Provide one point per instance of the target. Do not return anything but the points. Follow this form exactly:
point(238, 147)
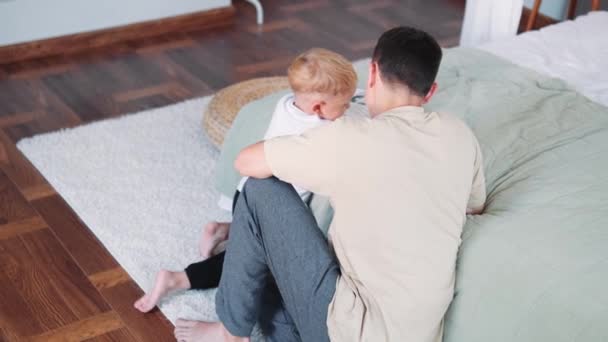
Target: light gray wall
point(27, 20)
point(557, 8)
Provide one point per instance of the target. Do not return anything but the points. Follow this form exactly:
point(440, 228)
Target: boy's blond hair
point(322, 71)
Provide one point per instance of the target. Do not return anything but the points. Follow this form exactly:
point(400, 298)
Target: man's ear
point(373, 72)
point(431, 92)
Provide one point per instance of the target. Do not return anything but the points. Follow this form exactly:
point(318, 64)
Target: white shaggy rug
point(143, 184)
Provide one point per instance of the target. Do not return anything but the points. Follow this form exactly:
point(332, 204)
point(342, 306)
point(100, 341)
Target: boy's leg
point(212, 237)
point(206, 274)
point(274, 235)
point(215, 234)
point(166, 281)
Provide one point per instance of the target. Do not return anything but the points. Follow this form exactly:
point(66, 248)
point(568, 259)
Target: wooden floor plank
point(38, 191)
point(83, 329)
point(84, 247)
point(272, 66)
point(19, 118)
point(57, 115)
point(180, 75)
point(120, 335)
point(17, 318)
point(109, 278)
point(55, 292)
point(3, 155)
point(17, 167)
point(306, 6)
point(213, 71)
point(37, 68)
point(152, 326)
point(13, 206)
point(173, 43)
point(169, 88)
point(15, 228)
point(62, 272)
point(43, 301)
point(8, 336)
point(16, 97)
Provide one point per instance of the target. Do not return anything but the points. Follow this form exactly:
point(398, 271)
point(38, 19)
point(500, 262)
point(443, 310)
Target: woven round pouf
point(226, 104)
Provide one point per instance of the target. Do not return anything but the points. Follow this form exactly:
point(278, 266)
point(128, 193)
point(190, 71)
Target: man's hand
point(475, 211)
point(251, 162)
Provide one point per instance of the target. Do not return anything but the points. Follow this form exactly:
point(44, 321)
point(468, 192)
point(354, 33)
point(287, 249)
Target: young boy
point(323, 84)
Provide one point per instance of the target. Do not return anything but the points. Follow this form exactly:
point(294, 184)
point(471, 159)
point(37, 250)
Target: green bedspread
point(534, 266)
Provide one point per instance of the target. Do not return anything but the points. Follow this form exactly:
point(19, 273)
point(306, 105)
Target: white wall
point(27, 20)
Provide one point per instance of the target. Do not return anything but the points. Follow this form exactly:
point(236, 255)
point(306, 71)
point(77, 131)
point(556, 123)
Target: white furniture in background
point(488, 20)
point(259, 10)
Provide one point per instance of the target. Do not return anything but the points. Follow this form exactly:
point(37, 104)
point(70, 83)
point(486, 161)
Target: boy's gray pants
point(278, 269)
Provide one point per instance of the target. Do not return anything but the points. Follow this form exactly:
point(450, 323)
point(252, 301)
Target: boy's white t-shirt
point(288, 119)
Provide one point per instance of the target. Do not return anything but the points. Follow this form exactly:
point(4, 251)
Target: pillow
point(248, 127)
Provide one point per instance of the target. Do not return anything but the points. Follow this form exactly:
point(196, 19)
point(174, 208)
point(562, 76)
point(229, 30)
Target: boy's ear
point(316, 107)
point(431, 92)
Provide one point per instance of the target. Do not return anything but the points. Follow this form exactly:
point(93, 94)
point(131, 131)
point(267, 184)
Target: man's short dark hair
point(409, 57)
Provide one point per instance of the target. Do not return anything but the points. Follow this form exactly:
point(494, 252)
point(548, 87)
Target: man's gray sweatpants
point(278, 269)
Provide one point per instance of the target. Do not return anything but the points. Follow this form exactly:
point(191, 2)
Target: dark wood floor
point(57, 282)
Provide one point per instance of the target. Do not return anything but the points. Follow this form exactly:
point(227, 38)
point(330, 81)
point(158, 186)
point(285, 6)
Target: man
point(400, 183)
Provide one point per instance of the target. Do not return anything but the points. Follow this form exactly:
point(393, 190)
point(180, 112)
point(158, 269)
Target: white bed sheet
point(575, 51)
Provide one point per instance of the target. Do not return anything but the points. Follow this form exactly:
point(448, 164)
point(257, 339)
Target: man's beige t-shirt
point(400, 185)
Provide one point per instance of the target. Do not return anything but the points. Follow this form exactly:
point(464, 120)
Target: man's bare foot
point(193, 331)
point(213, 234)
point(165, 281)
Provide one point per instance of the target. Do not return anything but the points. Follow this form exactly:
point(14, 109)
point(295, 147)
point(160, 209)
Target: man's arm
point(309, 160)
point(477, 198)
point(251, 162)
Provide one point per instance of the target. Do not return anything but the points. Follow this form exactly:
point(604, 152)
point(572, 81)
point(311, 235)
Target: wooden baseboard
point(80, 42)
point(541, 20)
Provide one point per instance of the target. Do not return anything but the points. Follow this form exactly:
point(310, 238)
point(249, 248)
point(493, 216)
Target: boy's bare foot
point(165, 281)
point(192, 331)
point(214, 233)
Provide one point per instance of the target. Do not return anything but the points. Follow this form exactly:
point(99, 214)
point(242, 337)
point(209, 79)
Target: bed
point(533, 267)
point(575, 51)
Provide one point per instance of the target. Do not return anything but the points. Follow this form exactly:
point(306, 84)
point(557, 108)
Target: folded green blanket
point(534, 266)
